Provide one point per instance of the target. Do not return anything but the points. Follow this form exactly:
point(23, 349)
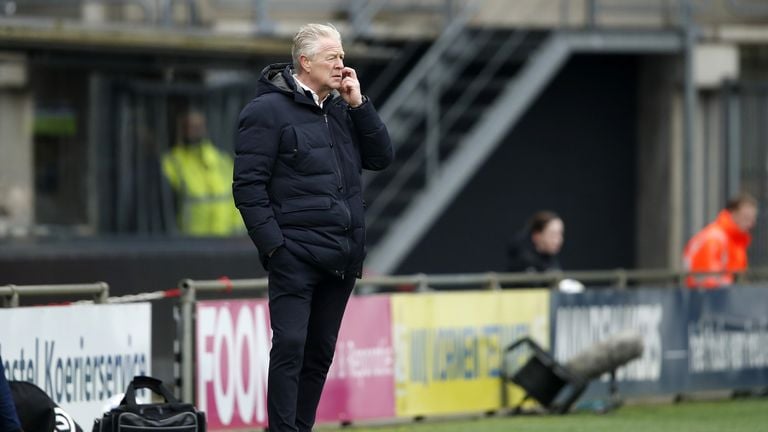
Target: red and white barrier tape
point(154, 295)
point(132, 298)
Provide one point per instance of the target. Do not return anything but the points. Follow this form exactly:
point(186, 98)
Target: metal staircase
point(455, 108)
point(445, 94)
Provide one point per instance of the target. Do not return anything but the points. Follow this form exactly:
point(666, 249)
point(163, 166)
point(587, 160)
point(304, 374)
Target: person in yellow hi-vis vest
point(201, 177)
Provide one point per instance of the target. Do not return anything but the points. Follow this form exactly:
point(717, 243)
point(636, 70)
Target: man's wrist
point(363, 100)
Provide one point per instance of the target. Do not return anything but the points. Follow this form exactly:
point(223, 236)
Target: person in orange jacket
point(722, 245)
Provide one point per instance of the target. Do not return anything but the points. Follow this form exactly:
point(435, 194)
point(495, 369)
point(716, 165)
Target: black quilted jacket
point(297, 177)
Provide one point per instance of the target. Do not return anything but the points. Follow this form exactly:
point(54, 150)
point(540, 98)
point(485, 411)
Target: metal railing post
point(187, 302)
point(493, 282)
point(557, 277)
point(741, 277)
point(621, 279)
point(423, 283)
point(14, 301)
point(103, 296)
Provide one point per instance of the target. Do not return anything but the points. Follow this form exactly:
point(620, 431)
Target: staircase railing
point(405, 109)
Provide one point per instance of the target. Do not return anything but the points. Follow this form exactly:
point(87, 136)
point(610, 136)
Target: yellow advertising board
point(449, 347)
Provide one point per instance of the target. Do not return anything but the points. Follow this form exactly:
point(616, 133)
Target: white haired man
point(302, 144)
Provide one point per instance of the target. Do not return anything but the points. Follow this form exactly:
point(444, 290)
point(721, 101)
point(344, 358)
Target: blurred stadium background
point(635, 120)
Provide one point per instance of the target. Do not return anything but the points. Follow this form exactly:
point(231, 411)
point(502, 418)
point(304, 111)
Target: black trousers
point(306, 305)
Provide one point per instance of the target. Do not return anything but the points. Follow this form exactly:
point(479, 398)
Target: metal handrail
point(619, 278)
point(12, 293)
point(223, 284)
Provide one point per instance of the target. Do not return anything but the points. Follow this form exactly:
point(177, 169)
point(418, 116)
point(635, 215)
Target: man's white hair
point(306, 41)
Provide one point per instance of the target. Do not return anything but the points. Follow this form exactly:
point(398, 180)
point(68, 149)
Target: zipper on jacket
point(340, 186)
point(336, 157)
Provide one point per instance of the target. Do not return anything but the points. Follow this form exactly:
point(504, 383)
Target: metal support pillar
point(689, 117)
point(187, 355)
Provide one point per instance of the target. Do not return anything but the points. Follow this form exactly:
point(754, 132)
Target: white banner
point(80, 355)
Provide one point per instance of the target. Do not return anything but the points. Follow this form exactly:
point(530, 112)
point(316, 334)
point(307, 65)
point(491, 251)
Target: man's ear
point(304, 63)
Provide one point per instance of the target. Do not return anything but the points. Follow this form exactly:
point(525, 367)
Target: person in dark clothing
point(537, 247)
point(9, 419)
point(301, 147)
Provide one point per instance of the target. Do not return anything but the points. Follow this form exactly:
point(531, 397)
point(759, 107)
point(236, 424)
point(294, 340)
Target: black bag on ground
point(38, 412)
point(171, 415)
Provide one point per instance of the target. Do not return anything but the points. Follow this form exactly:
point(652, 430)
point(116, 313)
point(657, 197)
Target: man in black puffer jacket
point(302, 145)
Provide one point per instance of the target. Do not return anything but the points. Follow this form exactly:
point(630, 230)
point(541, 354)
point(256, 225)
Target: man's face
point(325, 67)
point(745, 217)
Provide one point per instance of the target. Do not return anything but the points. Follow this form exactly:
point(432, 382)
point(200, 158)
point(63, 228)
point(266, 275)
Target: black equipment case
point(171, 415)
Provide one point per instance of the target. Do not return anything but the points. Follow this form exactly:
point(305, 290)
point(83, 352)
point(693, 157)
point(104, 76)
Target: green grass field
point(747, 415)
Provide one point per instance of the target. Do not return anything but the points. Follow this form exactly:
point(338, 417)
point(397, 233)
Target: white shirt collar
point(315, 97)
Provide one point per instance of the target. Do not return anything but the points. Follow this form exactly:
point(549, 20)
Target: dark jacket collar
point(278, 77)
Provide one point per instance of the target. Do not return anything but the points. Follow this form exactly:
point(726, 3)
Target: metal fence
point(192, 289)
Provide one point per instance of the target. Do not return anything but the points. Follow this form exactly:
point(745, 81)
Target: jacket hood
point(276, 78)
point(737, 235)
